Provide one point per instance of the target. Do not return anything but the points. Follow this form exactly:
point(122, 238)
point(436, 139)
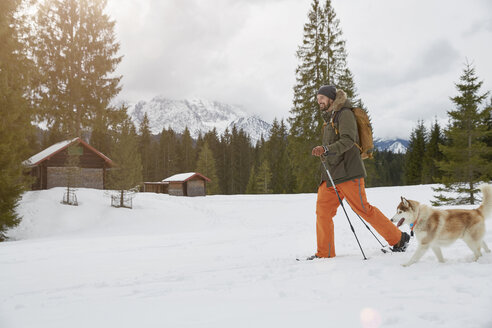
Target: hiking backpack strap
point(335, 119)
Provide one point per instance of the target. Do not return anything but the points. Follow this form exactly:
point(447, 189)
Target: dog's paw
point(406, 265)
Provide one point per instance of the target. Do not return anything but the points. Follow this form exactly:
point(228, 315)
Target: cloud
point(484, 25)
point(437, 59)
point(171, 45)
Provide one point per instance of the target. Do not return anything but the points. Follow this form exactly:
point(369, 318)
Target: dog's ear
point(404, 201)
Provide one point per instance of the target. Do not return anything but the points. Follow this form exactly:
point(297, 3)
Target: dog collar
point(412, 225)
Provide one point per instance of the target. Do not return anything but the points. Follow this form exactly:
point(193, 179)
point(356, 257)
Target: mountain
point(198, 115)
point(254, 126)
point(395, 145)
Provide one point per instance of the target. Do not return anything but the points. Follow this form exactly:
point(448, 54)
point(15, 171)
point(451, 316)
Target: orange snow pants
point(354, 193)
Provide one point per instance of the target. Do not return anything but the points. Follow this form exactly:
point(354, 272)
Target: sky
point(406, 56)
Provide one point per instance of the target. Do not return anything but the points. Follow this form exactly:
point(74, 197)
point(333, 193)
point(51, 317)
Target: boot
point(401, 246)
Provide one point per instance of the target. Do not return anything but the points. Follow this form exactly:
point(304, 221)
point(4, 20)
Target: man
point(342, 157)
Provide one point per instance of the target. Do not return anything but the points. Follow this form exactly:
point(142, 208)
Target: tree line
point(233, 163)
point(57, 71)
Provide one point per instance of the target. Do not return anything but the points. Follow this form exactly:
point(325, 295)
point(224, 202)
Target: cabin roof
point(183, 177)
point(58, 147)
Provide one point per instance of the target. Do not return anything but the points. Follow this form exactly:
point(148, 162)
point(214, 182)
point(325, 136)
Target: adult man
point(342, 157)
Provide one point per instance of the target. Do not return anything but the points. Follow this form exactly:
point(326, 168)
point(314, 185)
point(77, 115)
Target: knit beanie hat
point(329, 91)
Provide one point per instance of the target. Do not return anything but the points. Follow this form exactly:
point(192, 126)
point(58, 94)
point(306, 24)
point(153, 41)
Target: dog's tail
point(486, 207)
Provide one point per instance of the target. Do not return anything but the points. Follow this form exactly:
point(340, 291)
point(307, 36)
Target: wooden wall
point(160, 188)
point(176, 189)
point(195, 187)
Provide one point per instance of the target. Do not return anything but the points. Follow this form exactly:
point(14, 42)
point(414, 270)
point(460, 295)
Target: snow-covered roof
point(182, 177)
point(35, 159)
point(53, 149)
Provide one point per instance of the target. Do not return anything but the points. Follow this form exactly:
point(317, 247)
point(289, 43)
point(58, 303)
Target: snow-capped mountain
point(395, 145)
point(254, 126)
point(198, 115)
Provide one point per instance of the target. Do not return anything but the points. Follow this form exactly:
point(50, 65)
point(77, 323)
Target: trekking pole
point(341, 203)
point(367, 227)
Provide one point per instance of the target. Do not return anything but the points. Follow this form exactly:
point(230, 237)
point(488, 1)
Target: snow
point(397, 148)
point(394, 145)
point(225, 261)
point(179, 177)
point(48, 151)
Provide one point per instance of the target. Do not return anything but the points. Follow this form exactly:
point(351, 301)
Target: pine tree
point(15, 118)
point(168, 145)
point(213, 141)
point(263, 179)
point(206, 166)
point(145, 145)
point(127, 173)
point(465, 162)
point(224, 163)
point(277, 156)
point(372, 178)
point(488, 137)
point(430, 170)
point(346, 83)
point(323, 61)
point(260, 179)
point(241, 158)
point(415, 155)
point(186, 152)
point(235, 160)
point(259, 154)
point(76, 53)
point(251, 187)
point(155, 162)
point(103, 134)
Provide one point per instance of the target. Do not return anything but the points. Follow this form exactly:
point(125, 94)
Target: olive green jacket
point(343, 158)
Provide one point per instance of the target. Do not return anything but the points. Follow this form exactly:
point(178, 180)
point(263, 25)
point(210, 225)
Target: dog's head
point(404, 212)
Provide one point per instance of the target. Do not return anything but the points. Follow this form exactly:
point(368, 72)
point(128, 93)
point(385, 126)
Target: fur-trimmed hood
point(341, 101)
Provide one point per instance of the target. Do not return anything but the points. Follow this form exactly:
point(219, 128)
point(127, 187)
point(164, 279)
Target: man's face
point(324, 102)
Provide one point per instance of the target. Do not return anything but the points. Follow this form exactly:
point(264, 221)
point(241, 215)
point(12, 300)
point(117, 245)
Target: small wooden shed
point(49, 166)
point(187, 184)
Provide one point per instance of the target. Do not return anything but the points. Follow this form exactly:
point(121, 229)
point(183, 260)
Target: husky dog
point(435, 228)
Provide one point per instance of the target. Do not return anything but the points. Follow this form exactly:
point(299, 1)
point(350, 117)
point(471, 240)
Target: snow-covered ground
point(225, 261)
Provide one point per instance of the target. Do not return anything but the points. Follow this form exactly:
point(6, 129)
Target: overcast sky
point(405, 55)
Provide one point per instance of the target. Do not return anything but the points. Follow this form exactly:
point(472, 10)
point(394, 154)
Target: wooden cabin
point(187, 184)
point(49, 167)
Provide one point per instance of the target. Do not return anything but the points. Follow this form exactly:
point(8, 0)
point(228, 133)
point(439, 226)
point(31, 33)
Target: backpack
point(364, 128)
